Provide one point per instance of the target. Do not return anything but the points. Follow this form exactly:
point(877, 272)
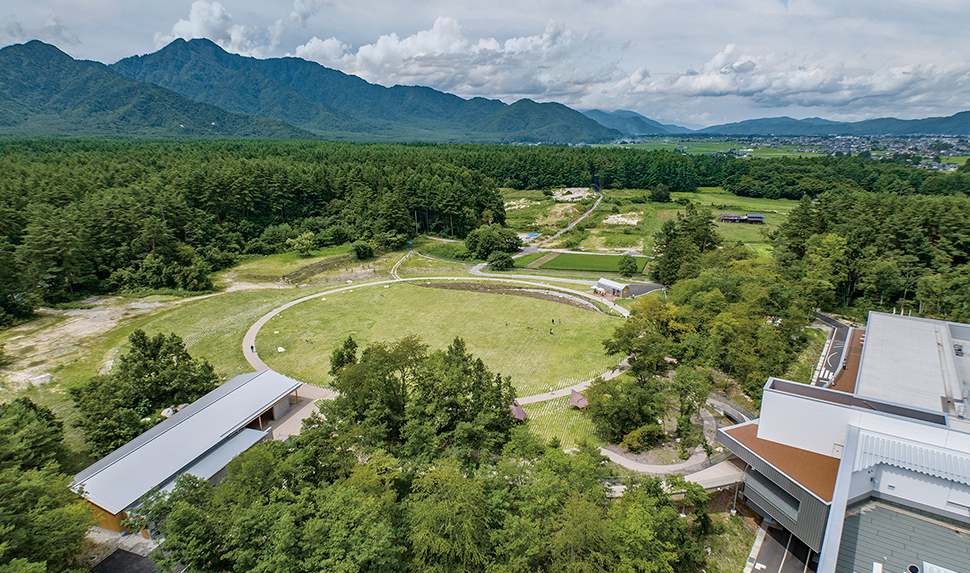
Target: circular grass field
point(509, 333)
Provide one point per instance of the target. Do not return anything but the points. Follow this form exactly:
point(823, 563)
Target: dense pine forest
point(79, 217)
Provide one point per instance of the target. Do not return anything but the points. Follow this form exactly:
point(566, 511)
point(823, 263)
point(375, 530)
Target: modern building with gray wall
point(200, 439)
point(873, 472)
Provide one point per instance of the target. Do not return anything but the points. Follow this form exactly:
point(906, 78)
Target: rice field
point(584, 262)
point(556, 419)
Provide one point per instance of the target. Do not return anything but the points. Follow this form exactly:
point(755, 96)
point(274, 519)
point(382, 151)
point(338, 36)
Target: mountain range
point(196, 89)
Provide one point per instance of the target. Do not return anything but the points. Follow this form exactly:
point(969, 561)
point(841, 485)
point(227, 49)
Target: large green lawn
point(213, 328)
point(274, 266)
point(509, 333)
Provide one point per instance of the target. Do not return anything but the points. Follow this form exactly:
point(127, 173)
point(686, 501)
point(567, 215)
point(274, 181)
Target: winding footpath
point(718, 476)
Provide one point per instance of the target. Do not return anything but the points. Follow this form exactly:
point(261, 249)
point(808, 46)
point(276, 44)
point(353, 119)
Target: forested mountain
point(957, 124)
point(341, 106)
point(632, 123)
point(43, 91)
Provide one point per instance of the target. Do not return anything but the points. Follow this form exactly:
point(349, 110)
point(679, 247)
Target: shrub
point(646, 436)
point(500, 261)
point(362, 250)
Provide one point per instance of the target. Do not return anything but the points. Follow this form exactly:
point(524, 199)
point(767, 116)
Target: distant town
point(936, 153)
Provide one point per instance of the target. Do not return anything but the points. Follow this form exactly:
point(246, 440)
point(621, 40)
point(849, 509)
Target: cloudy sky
point(691, 62)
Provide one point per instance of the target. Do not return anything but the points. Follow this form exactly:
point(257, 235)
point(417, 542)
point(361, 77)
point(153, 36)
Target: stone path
point(292, 422)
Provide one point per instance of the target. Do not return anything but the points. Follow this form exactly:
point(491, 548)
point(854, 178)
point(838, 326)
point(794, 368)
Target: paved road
point(830, 363)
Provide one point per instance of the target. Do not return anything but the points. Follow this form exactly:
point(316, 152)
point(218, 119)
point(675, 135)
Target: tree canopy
point(156, 372)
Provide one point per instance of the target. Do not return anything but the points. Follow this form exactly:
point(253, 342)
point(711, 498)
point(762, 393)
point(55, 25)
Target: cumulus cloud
point(815, 80)
point(545, 66)
point(305, 9)
point(52, 31)
point(211, 20)
point(585, 69)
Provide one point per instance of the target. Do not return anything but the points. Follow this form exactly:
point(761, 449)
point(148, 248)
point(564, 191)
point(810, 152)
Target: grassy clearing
point(556, 419)
point(276, 266)
point(729, 550)
point(955, 159)
point(525, 209)
point(714, 196)
point(592, 263)
point(416, 265)
point(754, 236)
point(509, 333)
point(213, 328)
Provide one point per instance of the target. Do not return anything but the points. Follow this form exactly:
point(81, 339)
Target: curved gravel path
point(249, 339)
point(694, 462)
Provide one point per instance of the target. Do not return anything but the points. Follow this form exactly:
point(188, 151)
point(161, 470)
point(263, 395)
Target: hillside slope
point(44, 91)
point(341, 106)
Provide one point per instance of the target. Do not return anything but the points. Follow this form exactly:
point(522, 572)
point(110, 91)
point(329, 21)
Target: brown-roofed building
point(892, 441)
point(577, 400)
point(518, 412)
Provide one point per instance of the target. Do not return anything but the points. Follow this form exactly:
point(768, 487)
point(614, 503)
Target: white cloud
point(303, 10)
point(540, 66)
point(675, 61)
point(52, 31)
point(816, 80)
point(211, 20)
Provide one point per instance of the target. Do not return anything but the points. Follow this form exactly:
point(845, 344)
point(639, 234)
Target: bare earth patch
point(519, 204)
point(623, 219)
point(572, 194)
point(72, 334)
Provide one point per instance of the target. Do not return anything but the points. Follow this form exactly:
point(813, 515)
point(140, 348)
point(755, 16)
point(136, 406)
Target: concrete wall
point(820, 426)
point(281, 408)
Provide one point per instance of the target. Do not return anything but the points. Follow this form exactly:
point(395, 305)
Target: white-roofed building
point(873, 472)
point(200, 439)
point(613, 288)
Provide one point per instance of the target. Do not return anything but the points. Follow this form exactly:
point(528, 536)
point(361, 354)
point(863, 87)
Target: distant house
point(755, 218)
point(613, 288)
point(577, 400)
point(751, 218)
point(200, 439)
point(517, 412)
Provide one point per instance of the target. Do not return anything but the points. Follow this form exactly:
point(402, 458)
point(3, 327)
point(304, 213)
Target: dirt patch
point(724, 500)
point(572, 194)
point(74, 334)
point(34, 355)
point(623, 219)
point(541, 260)
point(514, 291)
point(519, 204)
